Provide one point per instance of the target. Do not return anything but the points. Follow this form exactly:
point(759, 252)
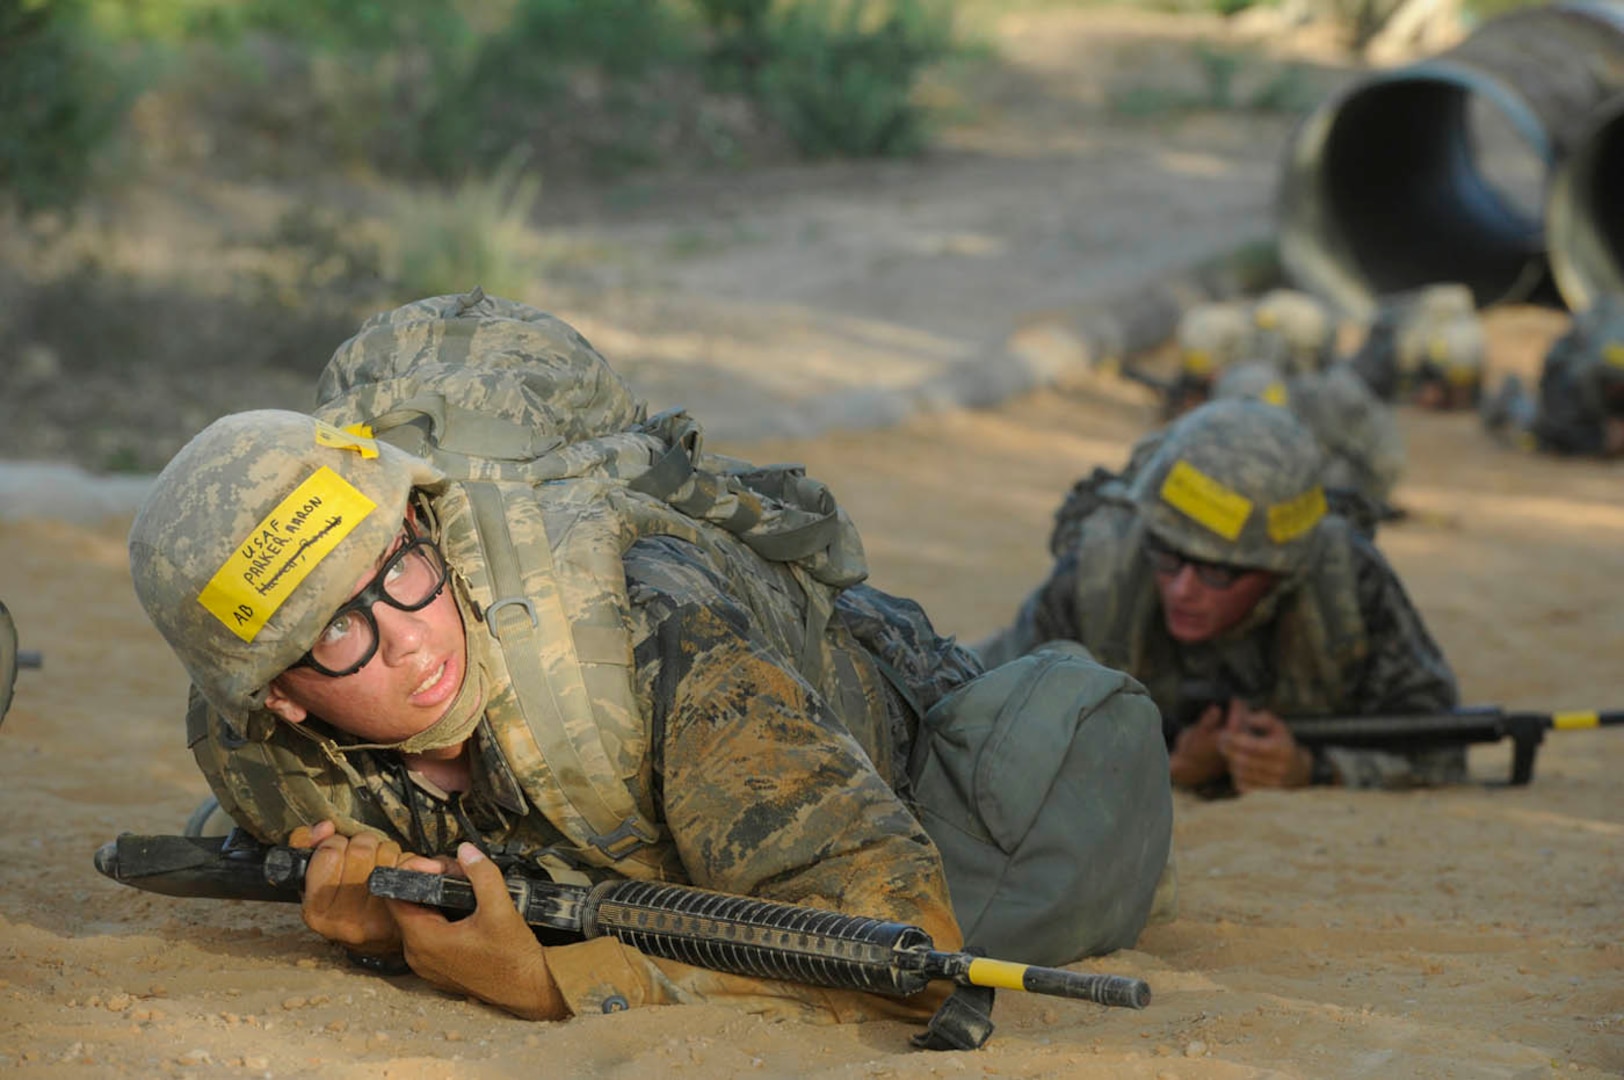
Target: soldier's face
point(1196, 611)
point(403, 689)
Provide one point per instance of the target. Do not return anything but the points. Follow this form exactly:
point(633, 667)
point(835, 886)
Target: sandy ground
point(1462, 933)
point(1459, 933)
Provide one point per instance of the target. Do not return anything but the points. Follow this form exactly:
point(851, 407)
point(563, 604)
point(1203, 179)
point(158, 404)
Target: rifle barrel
point(765, 939)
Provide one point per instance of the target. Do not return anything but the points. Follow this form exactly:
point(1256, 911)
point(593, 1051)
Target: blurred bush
point(475, 235)
point(61, 99)
point(839, 75)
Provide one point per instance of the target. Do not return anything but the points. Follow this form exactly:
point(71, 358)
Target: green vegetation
point(475, 236)
point(60, 101)
point(1230, 79)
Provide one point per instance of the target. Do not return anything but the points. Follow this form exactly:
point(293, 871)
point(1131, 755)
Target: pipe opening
point(1422, 177)
point(1586, 226)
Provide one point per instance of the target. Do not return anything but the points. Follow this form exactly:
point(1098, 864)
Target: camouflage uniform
point(770, 766)
point(1336, 635)
point(1581, 386)
point(1360, 439)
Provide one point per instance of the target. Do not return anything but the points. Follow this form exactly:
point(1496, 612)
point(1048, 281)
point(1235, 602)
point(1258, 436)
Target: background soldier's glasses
point(409, 580)
point(1164, 560)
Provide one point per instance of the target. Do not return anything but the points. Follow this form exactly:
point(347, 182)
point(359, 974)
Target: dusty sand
point(1460, 933)
point(1470, 932)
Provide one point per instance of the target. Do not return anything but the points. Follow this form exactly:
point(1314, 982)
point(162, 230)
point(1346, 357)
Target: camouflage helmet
point(1235, 481)
point(1256, 381)
point(1439, 335)
point(1210, 336)
point(1292, 329)
point(254, 534)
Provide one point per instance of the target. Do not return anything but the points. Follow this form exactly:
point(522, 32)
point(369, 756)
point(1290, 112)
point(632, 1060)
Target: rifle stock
point(736, 934)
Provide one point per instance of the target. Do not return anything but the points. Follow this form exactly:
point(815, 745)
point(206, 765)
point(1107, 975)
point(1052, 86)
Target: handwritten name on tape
point(291, 541)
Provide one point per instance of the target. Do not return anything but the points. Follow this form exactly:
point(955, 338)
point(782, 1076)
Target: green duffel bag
point(1044, 781)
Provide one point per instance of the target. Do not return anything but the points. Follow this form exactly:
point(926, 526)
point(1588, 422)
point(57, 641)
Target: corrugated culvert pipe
point(1584, 218)
point(1437, 170)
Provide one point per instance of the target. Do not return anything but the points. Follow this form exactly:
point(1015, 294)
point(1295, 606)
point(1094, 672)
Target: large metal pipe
point(1584, 217)
point(1435, 171)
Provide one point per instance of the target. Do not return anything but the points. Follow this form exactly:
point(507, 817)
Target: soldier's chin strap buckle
point(629, 837)
point(964, 1021)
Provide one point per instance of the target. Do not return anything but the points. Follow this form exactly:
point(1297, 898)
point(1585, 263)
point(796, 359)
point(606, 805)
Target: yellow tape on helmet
point(357, 437)
point(282, 550)
point(1206, 501)
point(1294, 517)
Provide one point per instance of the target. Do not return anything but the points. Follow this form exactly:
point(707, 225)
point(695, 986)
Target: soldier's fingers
point(324, 875)
point(307, 836)
point(359, 858)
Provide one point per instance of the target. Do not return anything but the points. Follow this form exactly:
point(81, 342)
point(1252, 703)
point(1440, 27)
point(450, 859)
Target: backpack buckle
point(518, 601)
point(629, 837)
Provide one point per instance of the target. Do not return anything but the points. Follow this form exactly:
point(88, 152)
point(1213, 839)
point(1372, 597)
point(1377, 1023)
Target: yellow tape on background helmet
point(1206, 501)
point(282, 550)
point(1614, 353)
point(1198, 362)
point(1276, 394)
point(1294, 517)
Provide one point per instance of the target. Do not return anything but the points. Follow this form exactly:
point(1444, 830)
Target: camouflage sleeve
point(1570, 419)
point(1049, 614)
point(765, 794)
point(1405, 672)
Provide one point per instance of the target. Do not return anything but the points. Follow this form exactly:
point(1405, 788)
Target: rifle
point(1469, 724)
point(735, 934)
point(1454, 727)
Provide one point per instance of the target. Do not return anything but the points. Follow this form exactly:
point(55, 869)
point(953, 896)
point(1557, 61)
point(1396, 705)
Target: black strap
point(964, 1022)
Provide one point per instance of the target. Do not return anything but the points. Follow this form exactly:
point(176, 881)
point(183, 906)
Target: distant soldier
point(1580, 409)
point(1425, 347)
point(1358, 435)
point(1210, 338)
point(1292, 330)
point(1213, 571)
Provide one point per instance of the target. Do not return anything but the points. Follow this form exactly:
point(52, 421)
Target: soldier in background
point(1580, 408)
point(1210, 337)
point(1295, 331)
point(1358, 435)
point(1425, 347)
point(1214, 572)
point(1289, 330)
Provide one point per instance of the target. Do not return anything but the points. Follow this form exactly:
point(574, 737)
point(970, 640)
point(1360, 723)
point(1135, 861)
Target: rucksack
point(1044, 783)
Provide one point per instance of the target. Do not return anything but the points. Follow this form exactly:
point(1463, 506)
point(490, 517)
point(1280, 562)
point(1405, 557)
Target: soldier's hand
point(336, 902)
point(1196, 759)
point(492, 954)
point(1260, 751)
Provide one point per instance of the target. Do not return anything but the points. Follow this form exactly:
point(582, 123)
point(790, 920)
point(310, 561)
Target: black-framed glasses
point(1165, 560)
point(409, 580)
